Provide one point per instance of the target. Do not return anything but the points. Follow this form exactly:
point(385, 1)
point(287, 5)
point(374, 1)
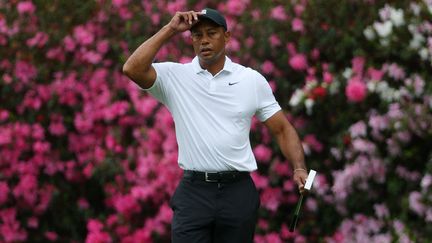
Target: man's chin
point(207, 59)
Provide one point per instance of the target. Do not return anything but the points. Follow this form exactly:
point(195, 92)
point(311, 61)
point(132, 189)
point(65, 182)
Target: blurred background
point(85, 156)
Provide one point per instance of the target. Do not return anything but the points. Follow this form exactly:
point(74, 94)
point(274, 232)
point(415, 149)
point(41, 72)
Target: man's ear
point(227, 36)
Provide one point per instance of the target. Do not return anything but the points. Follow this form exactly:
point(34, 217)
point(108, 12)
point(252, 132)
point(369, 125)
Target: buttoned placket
point(212, 79)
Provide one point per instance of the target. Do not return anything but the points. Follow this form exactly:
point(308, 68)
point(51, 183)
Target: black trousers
point(211, 212)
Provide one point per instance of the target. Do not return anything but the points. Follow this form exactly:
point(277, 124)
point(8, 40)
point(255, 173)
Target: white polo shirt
point(212, 114)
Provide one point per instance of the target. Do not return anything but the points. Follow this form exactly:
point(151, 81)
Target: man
point(212, 101)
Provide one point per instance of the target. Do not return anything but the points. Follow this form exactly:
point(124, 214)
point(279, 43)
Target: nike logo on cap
point(232, 83)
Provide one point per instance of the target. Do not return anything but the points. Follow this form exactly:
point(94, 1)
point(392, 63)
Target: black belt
point(223, 176)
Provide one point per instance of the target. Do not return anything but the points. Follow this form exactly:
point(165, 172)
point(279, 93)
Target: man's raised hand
point(183, 21)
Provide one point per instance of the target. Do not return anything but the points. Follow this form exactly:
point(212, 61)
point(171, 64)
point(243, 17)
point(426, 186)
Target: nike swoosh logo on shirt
point(232, 83)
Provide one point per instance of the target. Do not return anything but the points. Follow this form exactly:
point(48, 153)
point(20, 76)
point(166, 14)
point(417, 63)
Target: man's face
point(209, 40)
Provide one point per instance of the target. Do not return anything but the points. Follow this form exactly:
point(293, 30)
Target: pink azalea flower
point(51, 236)
point(69, 43)
point(355, 91)
point(26, 7)
point(55, 53)
point(273, 238)
point(92, 57)
point(83, 35)
point(267, 67)
point(395, 71)
point(5, 136)
point(415, 203)
point(83, 123)
point(41, 147)
point(313, 142)
point(263, 224)
point(262, 153)
point(298, 62)
point(299, 9)
point(381, 211)
point(165, 213)
point(4, 192)
point(259, 180)
point(271, 198)
point(125, 13)
point(233, 45)
point(98, 237)
point(327, 77)
point(375, 74)
point(297, 25)
point(315, 54)
point(288, 186)
point(155, 18)
point(426, 182)
point(377, 122)
point(256, 14)
point(57, 128)
point(126, 205)
point(185, 59)
point(7, 79)
point(119, 3)
point(358, 129)
point(25, 71)
point(32, 222)
point(274, 40)
point(13, 233)
point(357, 65)
point(94, 225)
point(279, 13)
point(236, 7)
point(38, 40)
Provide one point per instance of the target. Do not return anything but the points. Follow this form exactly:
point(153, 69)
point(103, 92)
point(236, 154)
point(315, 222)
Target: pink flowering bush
point(86, 156)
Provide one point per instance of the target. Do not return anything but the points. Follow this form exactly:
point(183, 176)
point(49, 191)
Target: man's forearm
point(291, 147)
point(139, 63)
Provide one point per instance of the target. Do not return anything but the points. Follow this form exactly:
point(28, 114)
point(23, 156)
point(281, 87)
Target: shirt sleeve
point(267, 105)
point(160, 87)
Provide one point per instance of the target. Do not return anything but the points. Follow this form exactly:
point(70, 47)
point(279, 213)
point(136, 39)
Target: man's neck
point(214, 67)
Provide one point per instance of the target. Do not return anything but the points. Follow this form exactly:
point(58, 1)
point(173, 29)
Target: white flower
point(415, 8)
point(384, 13)
point(382, 87)
point(429, 5)
point(396, 95)
point(296, 98)
point(371, 86)
point(397, 125)
point(383, 29)
point(416, 41)
point(423, 54)
point(347, 73)
point(384, 42)
point(309, 103)
point(311, 84)
point(413, 28)
point(397, 17)
point(387, 95)
point(369, 33)
point(334, 87)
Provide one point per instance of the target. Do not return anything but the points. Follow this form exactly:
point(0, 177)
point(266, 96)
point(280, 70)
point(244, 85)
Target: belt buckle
point(207, 179)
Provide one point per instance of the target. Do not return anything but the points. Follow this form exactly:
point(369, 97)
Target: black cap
point(215, 16)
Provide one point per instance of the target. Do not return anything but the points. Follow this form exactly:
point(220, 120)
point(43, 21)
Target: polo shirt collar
point(228, 65)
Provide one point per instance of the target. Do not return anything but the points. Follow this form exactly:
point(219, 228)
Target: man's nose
point(205, 39)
